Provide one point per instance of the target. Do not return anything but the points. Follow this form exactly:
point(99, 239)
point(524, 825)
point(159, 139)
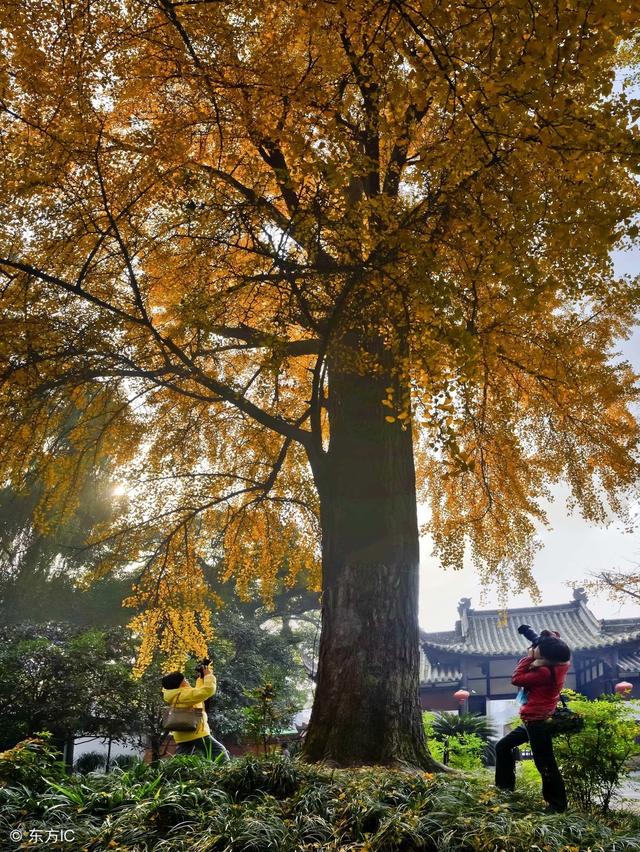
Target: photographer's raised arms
point(540, 676)
point(186, 716)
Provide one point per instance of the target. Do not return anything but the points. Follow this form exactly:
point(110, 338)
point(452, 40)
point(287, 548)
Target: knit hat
point(553, 648)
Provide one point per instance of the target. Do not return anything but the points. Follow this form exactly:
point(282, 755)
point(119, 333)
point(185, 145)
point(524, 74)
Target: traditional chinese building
point(481, 653)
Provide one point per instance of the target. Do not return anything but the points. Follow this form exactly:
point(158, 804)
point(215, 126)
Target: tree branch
point(226, 393)
point(258, 339)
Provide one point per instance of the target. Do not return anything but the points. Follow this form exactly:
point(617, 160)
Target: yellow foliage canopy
point(201, 200)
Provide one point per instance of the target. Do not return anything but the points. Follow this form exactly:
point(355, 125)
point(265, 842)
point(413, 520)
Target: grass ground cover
point(279, 805)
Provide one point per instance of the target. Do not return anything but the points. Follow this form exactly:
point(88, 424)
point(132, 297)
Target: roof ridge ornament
point(580, 595)
point(464, 605)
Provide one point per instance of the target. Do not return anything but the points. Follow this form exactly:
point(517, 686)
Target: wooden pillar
point(487, 665)
point(464, 705)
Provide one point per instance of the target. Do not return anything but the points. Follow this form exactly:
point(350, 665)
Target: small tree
point(246, 656)
point(595, 760)
point(267, 715)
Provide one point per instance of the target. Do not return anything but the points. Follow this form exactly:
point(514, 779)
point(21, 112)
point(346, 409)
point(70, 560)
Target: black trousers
point(204, 745)
point(539, 737)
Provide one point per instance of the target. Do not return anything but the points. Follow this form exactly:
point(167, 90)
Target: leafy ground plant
point(256, 805)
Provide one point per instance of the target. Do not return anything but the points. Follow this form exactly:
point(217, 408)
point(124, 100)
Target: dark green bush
point(273, 775)
point(89, 762)
point(125, 761)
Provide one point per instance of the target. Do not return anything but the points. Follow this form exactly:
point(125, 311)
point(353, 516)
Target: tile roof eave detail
point(610, 641)
point(629, 662)
point(494, 633)
point(469, 652)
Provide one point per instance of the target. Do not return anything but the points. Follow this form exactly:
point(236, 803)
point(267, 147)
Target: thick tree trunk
point(366, 708)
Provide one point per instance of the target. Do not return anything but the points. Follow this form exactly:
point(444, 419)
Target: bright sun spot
point(119, 490)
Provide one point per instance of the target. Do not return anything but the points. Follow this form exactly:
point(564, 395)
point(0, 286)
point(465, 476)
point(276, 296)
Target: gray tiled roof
point(629, 663)
point(490, 633)
point(615, 626)
point(435, 674)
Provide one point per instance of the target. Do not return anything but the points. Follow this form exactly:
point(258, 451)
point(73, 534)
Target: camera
point(202, 665)
point(530, 634)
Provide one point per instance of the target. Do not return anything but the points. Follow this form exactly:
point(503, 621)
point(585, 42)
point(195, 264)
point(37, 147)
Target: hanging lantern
point(623, 688)
point(461, 695)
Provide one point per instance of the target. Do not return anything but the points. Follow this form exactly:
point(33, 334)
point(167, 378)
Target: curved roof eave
point(459, 648)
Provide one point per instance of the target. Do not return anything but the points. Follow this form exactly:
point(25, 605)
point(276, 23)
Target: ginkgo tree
point(278, 257)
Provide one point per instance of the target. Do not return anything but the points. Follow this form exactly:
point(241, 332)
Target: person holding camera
point(177, 691)
point(540, 676)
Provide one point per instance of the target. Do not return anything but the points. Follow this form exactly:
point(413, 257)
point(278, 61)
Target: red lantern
point(461, 695)
point(623, 688)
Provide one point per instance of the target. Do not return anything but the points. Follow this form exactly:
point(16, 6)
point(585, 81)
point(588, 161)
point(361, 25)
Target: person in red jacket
point(540, 676)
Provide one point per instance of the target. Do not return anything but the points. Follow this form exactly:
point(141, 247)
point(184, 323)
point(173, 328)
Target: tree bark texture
point(366, 707)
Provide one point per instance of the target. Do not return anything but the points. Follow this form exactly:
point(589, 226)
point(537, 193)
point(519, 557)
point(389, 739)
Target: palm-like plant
point(447, 725)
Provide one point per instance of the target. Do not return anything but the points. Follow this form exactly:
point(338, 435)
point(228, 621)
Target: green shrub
point(452, 746)
point(267, 714)
point(89, 762)
point(126, 761)
point(273, 775)
point(595, 760)
point(466, 751)
point(462, 751)
point(30, 760)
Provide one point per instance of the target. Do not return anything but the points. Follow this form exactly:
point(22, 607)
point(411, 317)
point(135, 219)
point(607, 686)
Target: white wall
point(82, 745)
point(500, 712)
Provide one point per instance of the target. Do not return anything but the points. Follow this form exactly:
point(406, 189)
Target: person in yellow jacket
point(175, 685)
